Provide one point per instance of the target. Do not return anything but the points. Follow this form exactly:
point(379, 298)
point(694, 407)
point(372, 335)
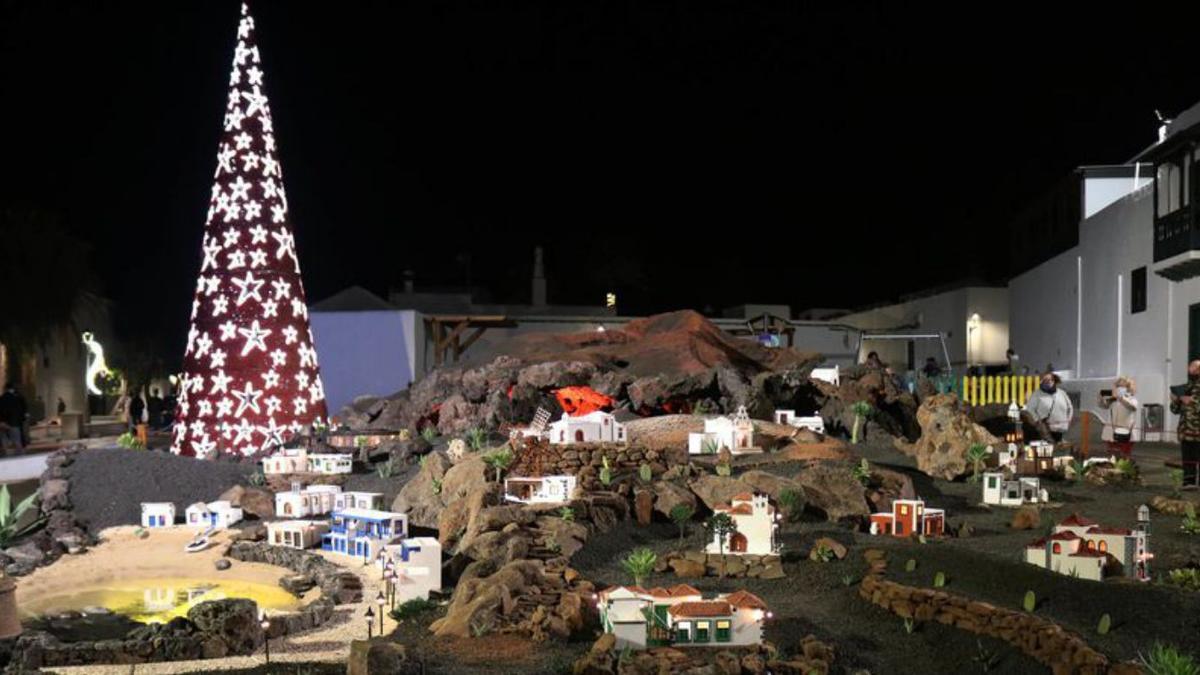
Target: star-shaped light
point(248, 288)
point(255, 338)
point(247, 399)
point(289, 335)
point(228, 331)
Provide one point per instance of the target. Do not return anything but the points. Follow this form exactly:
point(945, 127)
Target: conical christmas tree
point(250, 376)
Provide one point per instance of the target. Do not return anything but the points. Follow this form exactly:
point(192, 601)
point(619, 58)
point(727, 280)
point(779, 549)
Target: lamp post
point(265, 623)
point(381, 601)
point(370, 621)
point(382, 567)
point(392, 578)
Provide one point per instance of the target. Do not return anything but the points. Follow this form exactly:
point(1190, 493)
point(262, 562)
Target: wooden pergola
point(450, 333)
point(767, 324)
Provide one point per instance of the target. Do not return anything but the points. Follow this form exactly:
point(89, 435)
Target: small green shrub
point(1187, 578)
point(709, 447)
point(791, 502)
point(1127, 468)
point(606, 476)
point(639, 564)
point(724, 469)
point(1080, 469)
point(1167, 660)
point(1176, 481)
point(1030, 601)
point(360, 442)
point(256, 479)
point(411, 608)
point(11, 515)
point(862, 472)
point(939, 580)
point(645, 473)
point(387, 469)
point(848, 579)
point(1105, 624)
point(130, 442)
point(476, 438)
point(437, 486)
point(821, 554)
point(567, 513)
point(910, 565)
point(909, 625)
point(1190, 523)
point(429, 433)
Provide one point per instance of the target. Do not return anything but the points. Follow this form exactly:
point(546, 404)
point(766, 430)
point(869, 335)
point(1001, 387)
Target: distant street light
point(381, 601)
point(266, 623)
point(370, 621)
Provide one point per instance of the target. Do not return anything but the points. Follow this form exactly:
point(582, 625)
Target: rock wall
point(585, 460)
point(947, 431)
point(338, 585)
point(1062, 651)
point(213, 629)
point(62, 534)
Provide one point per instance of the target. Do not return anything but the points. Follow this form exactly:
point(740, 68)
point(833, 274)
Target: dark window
point(1137, 297)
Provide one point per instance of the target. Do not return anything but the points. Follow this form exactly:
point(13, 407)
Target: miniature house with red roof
point(757, 526)
point(680, 616)
point(909, 517)
point(1081, 548)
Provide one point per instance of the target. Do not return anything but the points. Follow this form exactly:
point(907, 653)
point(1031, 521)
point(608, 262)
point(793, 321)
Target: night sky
point(684, 154)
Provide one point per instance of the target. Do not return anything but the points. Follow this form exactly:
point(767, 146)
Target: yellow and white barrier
point(985, 389)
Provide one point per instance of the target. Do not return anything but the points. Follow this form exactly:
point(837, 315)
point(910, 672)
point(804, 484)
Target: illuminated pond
point(158, 600)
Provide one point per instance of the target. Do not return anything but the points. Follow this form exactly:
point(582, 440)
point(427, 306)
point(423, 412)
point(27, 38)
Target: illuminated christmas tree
point(250, 376)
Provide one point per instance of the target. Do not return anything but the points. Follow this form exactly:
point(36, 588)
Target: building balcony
point(1177, 245)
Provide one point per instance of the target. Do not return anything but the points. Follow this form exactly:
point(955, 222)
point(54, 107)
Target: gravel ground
point(109, 484)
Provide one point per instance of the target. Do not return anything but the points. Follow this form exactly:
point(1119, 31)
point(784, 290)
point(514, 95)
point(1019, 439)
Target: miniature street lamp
point(381, 601)
point(393, 577)
point(370, 621)
point(265, 623)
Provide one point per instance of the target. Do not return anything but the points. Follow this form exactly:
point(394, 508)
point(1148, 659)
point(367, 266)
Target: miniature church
point(595, 427)
point(909, 517)
point(757, 524)
point(733, 433)
point(1082, 548)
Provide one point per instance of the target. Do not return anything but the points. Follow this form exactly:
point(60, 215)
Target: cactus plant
point(910, 566)
point(862, 410)
point(1030, 602)
point(939, 580)
point(645, 473)
point(1105, 624)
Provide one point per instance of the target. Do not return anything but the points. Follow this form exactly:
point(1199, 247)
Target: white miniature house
point(1081, 548)
point(363, 533)
point(757, 525)
point(219, 514)
point(594, 427)
point(158, 514)
point(299, 460)
point(358, 500)
point(830, 375)
point(733, 433)
point(1000, 490)
point(812, 422)
point(680, 616)
point(304, 502)
point(296, 533)
point(540, 490)
point(418, 565)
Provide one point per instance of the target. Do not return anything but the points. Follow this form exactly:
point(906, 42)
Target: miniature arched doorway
point(287, 509)
point(579, 435)
point(737, 543)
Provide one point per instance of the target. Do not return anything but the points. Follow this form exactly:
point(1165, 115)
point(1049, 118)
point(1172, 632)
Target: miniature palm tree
point(682, 515)
point(862, 410)
point(499, 459)
point(976, 453)
point(721, 527)
point(862, 472)
point(792, 502)
point(639, 564)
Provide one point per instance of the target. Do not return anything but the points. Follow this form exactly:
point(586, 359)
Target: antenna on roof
point(1164, 122)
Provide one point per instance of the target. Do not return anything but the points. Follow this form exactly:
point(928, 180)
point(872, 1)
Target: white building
point(1000, 490)
point(810, 422)
point(158, 514)
point(303, 502)
point(299, 460)
point(363, 533)
point(733, 433)
point(1080, 547)
point(594, 427)
point(418, 565)
point(218, 514)
point(680, 616)
point(757, 524)
point(540, 490)
point(355, 499)
point(832, 375)
point(296, 533)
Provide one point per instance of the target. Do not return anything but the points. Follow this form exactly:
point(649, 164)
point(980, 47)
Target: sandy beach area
point(121, 555)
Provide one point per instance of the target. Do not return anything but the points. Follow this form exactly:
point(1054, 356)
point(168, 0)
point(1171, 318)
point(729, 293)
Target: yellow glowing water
point(150, 600)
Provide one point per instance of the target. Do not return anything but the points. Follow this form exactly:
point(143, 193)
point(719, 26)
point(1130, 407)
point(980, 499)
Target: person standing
point(1187, 406)
point(12, 416)
point(1051, 406)
point(1122, 409)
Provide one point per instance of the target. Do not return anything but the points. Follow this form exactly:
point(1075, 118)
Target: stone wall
point(62, 534)
point(1050, 644)
point(338, 585)
point(585, 460)
point(696, 564)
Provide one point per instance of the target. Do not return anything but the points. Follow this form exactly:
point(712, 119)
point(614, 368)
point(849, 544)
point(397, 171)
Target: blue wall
point(363, 353)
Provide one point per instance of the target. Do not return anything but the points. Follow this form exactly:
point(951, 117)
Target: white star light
point(255, 338)
point(247, 399)
point(302, 380)
point(245, 431)
point(224, 162)
point(298, 308)
point(211, 249)
point(274, 405)
point(254, 75)
point(258, 233)
point(300, 405)
point(278, 358)
point(218, 359)
point(258, 258)
point(203, 447)
point(204, 407)
point(236, 259)
point(228, 331)
point(278, 215)
point(203, 344)
point(255, 102)
point(253, 212)
point(282, 288)
point(224, 407)
point(239, 189)
point(220, 383)
point(289, 335)
point(242, 141)
point(248, 288)
point(220, 304)
point(270, 166)
point(270, 309)
point(270, 379)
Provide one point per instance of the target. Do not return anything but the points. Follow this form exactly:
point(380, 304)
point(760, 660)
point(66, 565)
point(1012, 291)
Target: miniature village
point(660, 498)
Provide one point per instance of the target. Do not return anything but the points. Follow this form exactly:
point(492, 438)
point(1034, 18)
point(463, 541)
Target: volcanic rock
point(668, 495)
point(231, 626)
point(253, 501)
point(1026, 518)
point(946, 434)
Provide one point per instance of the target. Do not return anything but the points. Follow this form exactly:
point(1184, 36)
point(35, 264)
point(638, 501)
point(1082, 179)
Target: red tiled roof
point(701, 609)
point(1040, 543)
point(745, 600)
point(1066, 535)
point(741, 510)
point(1076, 520)
point(659, 592)
point(683, 589)
point(742, 497)
point(1109, 530)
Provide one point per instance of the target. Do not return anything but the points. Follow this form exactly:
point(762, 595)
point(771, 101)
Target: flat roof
point(368, 514)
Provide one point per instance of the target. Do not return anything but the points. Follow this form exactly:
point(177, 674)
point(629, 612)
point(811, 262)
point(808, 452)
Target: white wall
point(1100, 192)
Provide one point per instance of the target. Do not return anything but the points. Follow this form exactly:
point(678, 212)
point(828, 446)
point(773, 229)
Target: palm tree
point(639, 564)
point(862, 410)
point(976, 453)
point(682, 514)
point(499, 459)
point(720, 526)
